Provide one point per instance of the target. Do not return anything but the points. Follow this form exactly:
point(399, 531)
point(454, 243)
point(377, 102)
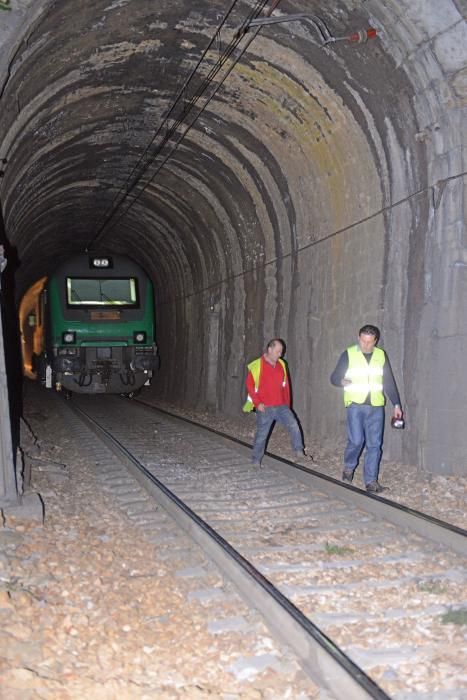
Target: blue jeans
point(364, 427)
point(284, 416)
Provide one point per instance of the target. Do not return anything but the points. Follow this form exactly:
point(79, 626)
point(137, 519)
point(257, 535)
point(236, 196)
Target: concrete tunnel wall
point(322, 188)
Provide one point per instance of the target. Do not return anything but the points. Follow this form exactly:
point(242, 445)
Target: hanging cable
point(433, 190)
point(360, 37)
point(184, 105)
point(141, 159)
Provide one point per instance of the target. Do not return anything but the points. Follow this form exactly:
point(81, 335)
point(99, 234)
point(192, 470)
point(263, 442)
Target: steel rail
point(422, 524)
point(318, 655)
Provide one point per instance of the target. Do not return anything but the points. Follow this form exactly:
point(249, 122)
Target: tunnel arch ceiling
point(320, 189)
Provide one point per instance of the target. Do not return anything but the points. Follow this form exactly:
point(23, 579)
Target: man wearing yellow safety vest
point(366, 375)
point(269, 393)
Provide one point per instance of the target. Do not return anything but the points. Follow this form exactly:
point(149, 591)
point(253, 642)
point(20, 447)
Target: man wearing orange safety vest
point(363, 370)
point(269, 394)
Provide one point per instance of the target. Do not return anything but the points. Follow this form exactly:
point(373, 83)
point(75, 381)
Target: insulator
point(362, 36)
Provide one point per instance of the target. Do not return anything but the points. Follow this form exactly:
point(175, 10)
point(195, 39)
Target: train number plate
point(105, 315)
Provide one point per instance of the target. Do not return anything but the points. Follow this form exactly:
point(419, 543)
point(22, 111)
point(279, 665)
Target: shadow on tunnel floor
point(11, 335)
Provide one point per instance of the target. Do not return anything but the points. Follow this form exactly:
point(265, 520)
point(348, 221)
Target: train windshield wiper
point(104, 296)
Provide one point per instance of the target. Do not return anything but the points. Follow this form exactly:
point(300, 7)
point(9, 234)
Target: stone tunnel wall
point(402, 268)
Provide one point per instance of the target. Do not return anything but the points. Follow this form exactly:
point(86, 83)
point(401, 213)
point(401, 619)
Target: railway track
point(360, 588)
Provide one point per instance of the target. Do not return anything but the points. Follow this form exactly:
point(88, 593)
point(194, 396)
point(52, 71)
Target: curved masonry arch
point(322, 188)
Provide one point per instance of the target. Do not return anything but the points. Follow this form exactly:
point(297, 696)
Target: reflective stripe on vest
point(366, 377)
point(255, 369)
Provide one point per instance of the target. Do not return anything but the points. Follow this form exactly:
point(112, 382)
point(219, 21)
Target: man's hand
point(261, 407)
point(346, 382)
point(398, 412)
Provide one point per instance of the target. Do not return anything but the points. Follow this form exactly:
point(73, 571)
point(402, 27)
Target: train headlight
point(68, 337)
point(139, 337)
point(100, 262)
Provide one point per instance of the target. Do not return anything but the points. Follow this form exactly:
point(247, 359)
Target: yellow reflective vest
point(366, 377)
point(255, 369)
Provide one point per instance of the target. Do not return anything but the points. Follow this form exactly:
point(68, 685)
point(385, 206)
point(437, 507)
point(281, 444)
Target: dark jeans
point(364, 427)
point(264, 421)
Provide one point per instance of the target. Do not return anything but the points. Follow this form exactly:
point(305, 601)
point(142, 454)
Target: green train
point(96, 327)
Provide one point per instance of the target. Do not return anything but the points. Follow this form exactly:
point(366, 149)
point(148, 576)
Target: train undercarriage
point(98, 369)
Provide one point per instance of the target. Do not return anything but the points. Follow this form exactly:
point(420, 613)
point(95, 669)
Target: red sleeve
point(250, 385)
point(287, 393)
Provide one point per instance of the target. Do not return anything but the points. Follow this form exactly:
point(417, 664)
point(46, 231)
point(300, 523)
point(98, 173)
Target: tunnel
point(280, 169)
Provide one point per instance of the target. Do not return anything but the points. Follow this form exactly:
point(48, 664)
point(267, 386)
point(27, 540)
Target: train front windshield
point(92, 291)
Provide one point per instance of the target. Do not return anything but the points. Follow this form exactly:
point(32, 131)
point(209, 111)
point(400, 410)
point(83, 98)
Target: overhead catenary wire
point(174, 148)
point(173, 107)
point(151, 157)
point(150, 154)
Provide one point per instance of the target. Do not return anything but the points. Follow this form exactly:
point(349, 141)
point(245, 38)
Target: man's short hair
point(274, 341)
point(368, 329)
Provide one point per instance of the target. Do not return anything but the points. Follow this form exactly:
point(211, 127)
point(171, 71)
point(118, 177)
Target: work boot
point(347, 476)
point(374, 487)
point(302, 454)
